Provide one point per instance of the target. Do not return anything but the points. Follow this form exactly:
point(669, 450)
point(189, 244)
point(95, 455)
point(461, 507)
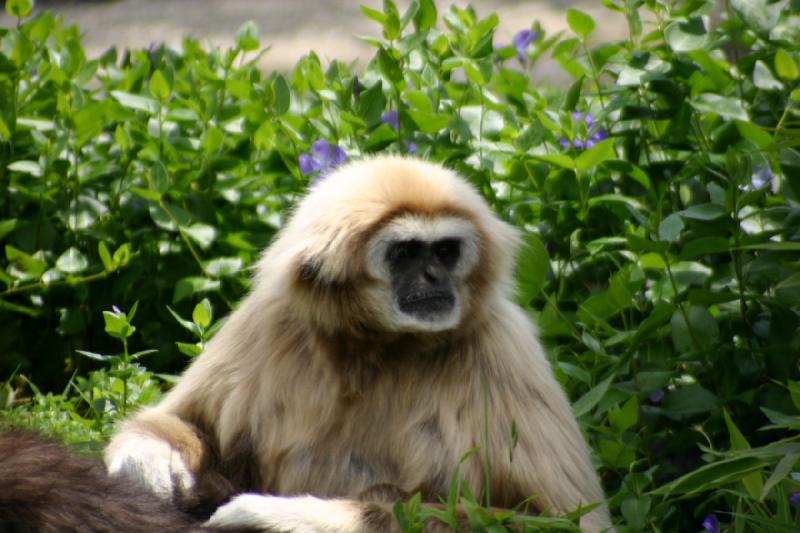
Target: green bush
point(658, 195)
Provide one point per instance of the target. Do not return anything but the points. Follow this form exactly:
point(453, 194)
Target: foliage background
point(658, 196)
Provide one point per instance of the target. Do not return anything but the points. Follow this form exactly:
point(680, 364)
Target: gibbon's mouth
point(427, 304)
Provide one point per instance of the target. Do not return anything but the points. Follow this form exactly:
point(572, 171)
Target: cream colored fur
point(310, 377)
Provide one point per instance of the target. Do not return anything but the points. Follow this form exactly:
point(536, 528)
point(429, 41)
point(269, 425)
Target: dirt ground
point(291, 27)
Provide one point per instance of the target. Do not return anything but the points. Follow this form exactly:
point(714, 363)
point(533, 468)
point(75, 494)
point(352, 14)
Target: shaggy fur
point(44, 488)
point(309, 388)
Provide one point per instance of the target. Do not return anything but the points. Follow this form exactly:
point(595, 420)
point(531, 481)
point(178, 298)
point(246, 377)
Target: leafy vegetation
point(658, 195)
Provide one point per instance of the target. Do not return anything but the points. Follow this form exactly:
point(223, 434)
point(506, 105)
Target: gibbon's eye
point(447, 251)
point(403, 251)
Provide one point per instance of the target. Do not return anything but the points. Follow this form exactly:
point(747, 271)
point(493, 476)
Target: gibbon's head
point(392, 244)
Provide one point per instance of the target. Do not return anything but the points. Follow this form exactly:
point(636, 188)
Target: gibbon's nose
point(434, 276)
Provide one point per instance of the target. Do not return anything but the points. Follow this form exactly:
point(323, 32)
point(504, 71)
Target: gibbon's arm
point(302, 514)
point(160, 446)
point(549, 460)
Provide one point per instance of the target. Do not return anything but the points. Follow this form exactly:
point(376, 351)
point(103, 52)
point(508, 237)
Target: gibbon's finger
point(153, 463)
point(289, 514)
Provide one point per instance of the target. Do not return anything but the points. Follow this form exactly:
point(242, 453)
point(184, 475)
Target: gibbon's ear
point(334, 256)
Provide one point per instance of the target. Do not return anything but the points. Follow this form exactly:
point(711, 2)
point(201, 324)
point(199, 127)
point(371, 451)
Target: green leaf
point(391, 24)
point(702, 331)
point(574, 94)
point(782, 470)
point(586, 402)
point(7, 226)
point(785, 66)
point(122, 255)
point(72, 261)
point(117, 325)
point(763, 78)
point(371, 104)
point(247, 36)
point(19, 8)
point(187, 324)
point(617, 454)
point(159, 87)
point(158, 178)
point(709, 477)
point(373, 14)
point(213, 140)
point(600, 152)
point(754, 133)
point(559, 160)
point(626, 416)
point(389, 66)
point(686, 36)
point(192, 350)
point(95, 356)
point(755, 13)
point(105, 256)
point(670, 228)
point(788, 290)
point(533, 266)
point(635, 510)
point(579, 22)
point(26, 167)
point(689, 401)
point(191, 285)
point(725, 107)
point(704, 246)
point(137, 102)
point(224, 267)
point(282, 94)
point(202, 313)
point(704, 212)
point(753, 482)
point(425, 17)
point(27, 264)
point(202, 234)
point(429, 123)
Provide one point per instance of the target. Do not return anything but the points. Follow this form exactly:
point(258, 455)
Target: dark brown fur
point(46, 488)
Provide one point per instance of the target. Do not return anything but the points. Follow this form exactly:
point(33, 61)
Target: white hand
point(290, 514)
point(152, 462)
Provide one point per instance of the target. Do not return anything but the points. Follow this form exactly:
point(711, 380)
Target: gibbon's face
point(421, 263)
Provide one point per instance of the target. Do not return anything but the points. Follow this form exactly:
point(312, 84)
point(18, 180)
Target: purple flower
point(711, 523)
point(585, 137)
point(657, 395)
point(522, 40)
point(794, 501)
point(412, 147)
point(600, 135)
point(308, 165)
point(391, 118)
point(323, 157)
point(356, 87)
point(762, 176)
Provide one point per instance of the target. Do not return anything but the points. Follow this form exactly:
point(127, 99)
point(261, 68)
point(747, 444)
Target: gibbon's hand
point(289, 514)
point(153, 463)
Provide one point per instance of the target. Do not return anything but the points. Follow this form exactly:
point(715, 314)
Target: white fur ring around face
point(291, 514)
point(153, 463)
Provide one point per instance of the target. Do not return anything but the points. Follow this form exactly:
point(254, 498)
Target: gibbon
point(380, 344)
point(46, 489)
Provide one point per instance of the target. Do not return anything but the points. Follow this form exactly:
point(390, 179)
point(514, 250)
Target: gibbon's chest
point(395, 431)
